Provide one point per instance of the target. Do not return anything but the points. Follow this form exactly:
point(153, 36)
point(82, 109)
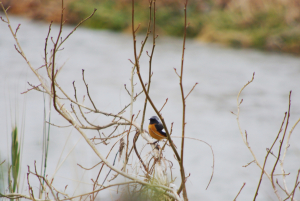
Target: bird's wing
point(159, 127)
point(163, 133)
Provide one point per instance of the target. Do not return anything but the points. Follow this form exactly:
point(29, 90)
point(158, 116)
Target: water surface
point(220, 72)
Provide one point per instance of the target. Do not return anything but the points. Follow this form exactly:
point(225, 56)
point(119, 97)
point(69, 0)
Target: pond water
point(220, 72)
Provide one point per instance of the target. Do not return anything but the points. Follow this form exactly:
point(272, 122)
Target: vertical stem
point(150, 60)
point(53, 59)
point(132, 91)
point(183, 108)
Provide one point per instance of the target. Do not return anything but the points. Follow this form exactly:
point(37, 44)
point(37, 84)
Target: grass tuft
point(15, 158)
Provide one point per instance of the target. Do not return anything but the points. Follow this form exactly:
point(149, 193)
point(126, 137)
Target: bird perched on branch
point(155, 129)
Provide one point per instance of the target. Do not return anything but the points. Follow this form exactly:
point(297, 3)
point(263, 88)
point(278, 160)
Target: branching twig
point(281, 142)
point(296, 184)
point(35, 87)
point(266, 157)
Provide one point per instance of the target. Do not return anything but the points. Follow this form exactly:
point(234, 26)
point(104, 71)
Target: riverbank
point(271, 25)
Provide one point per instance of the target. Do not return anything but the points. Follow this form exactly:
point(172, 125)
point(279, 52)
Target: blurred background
point(220, 71)
point(264, 24)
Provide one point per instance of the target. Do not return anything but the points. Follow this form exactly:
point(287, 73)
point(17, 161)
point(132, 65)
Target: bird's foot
point(156, 144)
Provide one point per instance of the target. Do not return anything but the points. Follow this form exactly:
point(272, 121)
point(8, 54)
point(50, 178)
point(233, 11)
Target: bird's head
point(154, 120)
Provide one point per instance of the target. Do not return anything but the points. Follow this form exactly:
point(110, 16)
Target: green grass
point(2, 179)
point(117, 17)
point(15, 160)
point(263, 30)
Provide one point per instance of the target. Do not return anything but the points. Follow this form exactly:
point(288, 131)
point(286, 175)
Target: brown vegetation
point(39, 10)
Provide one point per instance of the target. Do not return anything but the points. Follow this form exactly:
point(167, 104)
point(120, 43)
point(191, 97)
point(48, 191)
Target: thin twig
point(45, 49)
point(127, 144)
point(163, 105)
point(2, 162)
point(176, 73)
point(239, 192)
point(248, 163)
point(137, 153)
point(127, 90)
point(57, 125)
point(91, 167)
point(191, 90)
point(87, 90)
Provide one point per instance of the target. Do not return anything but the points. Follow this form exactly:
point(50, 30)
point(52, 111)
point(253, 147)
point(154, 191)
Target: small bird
point(155, 129)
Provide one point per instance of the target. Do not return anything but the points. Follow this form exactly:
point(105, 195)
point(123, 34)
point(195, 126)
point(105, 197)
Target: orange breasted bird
point(155, 129)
